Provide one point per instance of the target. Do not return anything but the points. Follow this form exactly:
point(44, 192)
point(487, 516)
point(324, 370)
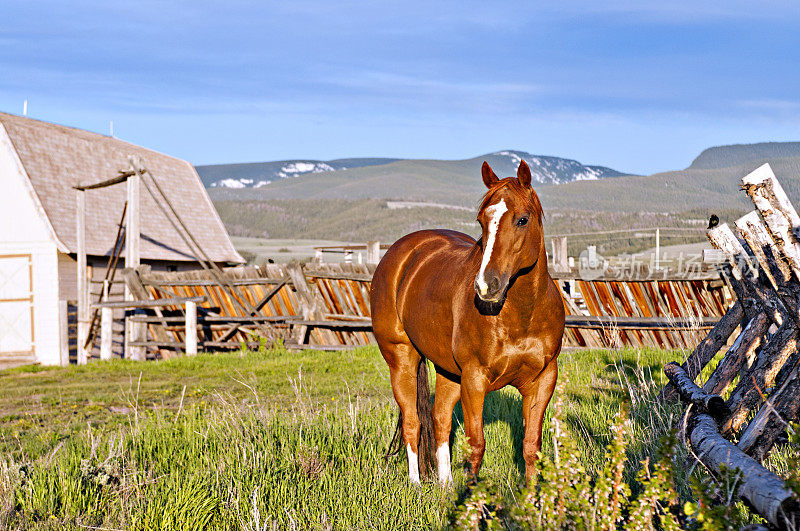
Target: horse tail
point(427, 459)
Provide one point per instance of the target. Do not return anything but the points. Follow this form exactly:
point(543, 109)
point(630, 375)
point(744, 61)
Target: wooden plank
point(639, 323)
point(340, 276)
point(152, 303)
point(150, 281)
point(82, 272)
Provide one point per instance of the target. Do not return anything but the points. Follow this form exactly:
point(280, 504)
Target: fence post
point(306, 296)
point(191, 328)
point(133, 331)
point(83, 281)
point(106, 324)
point(63, 325)
point(106, 332)
point(560, 257)
point(373, 252)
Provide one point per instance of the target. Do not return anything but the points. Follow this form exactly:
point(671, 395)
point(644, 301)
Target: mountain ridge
point(546, 169)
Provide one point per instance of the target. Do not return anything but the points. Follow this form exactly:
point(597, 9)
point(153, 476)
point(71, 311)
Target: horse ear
point(524, 174)
point(489, 178)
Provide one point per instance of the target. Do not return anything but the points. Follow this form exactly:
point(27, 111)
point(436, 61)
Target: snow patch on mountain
point(550, 170)
point(295, 169)
point(231, 183)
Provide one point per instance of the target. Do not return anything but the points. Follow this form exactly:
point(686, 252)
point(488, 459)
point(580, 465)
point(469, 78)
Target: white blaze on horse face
point(495, 212)
point(443, 465)
point(413, 465)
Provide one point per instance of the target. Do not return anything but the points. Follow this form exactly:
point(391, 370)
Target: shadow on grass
point(505, 409)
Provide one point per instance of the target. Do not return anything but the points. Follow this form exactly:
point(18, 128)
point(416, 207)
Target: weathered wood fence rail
point(760, 371)
point(327, 306)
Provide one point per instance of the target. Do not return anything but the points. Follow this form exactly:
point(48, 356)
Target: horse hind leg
point(408, 373)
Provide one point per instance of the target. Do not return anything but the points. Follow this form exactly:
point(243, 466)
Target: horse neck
point(531, 284)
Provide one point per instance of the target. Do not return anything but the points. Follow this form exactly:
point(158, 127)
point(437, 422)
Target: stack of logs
point(760, 371)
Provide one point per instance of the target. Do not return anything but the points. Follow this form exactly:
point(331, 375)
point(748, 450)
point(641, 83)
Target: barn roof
point(56, 158)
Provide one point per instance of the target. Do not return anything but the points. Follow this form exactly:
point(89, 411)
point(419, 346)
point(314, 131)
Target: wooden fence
point(326, 306)
point(759, 373)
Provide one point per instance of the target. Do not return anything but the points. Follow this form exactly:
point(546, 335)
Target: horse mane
point(529, 196)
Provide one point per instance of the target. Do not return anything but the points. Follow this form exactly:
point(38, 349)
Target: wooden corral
point(670, 313)
point(760, 371)
point(327, 306)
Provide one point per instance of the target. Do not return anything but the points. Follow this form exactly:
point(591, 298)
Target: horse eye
point(521, 222)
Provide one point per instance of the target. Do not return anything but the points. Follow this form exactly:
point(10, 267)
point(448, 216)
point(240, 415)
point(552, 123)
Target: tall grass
point(299, 447)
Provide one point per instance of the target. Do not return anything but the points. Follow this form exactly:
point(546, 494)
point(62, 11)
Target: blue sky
point(638, 86)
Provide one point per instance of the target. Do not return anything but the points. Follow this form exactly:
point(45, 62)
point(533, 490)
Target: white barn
point(40, 163)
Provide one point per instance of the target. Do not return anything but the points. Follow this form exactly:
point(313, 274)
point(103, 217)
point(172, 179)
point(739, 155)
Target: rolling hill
point(257, 174)
point(448, 181)
point(352, 203)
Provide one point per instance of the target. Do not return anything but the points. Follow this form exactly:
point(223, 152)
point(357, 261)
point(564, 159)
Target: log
point(754, 382)
point(758, 238)
point(122, 177)
point(770, 422)
point(779, 215)
point(742, 351)
point(745, 272)
point(692, 394)
point(773, 267)
point(761, 489)
point(707, 348)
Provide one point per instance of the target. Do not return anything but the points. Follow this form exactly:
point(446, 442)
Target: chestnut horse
point(486, 313)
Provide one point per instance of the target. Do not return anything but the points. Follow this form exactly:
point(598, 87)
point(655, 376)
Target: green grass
point(267, 438)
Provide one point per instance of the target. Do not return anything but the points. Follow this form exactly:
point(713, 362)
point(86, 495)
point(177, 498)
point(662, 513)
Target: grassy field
point(272, 440)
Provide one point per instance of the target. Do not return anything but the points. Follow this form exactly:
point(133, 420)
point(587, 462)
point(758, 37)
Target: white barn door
point(16, 307)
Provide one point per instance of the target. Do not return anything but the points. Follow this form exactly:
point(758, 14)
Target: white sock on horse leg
point(413, 465)
point(443, 464)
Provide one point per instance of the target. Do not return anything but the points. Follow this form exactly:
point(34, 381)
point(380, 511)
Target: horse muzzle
point(491, 288)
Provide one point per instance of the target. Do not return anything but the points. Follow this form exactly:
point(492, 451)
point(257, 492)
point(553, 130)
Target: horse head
point(510, 216)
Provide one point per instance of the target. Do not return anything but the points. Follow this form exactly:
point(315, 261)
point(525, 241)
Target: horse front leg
point(447, 394)
point(473, 393)
point(535, 398)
